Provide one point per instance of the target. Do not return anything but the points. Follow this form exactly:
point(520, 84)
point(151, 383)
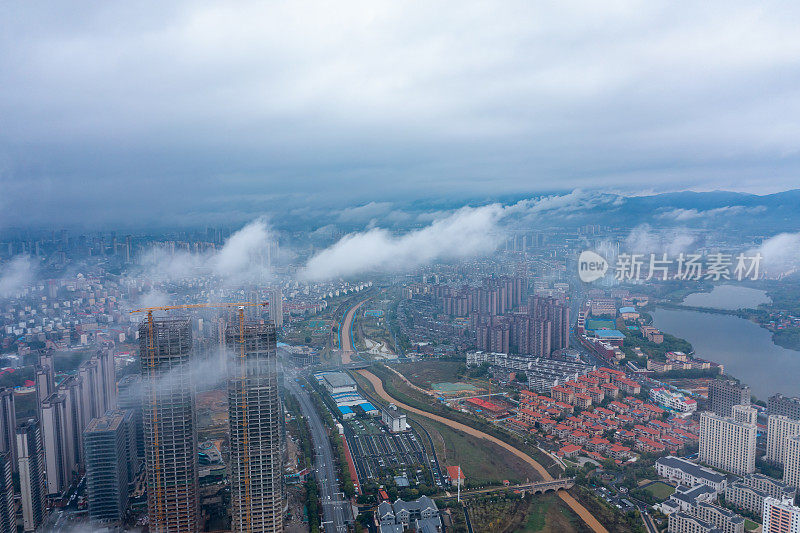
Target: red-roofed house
point(570, 450)
point(644, 444)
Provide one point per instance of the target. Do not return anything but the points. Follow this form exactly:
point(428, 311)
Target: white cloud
point(683, 215)
point(364, 213)
point(242, 259)
point(780, 254)
point(15, 275)
point(465, 233)
point(645, 240)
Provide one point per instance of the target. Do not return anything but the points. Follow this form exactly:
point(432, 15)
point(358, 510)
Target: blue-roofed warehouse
point(347, 413)
point(369, 409)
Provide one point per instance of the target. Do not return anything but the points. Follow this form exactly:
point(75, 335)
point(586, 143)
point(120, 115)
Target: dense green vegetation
point(787, 338)
point(656, 351)
point(609, 516)
point(312, 505)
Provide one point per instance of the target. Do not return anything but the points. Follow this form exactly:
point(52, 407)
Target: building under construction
point(255, 414)
point(169, 423)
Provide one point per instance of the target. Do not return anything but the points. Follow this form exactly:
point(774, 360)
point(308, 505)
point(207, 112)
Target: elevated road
point(335, 508)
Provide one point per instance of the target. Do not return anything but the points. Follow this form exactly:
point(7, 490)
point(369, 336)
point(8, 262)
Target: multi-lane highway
point(335, 509)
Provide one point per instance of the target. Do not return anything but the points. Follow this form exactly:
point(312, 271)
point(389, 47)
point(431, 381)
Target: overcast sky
point(114, 111)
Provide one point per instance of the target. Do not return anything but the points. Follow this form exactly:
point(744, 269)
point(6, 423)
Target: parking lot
point(378, 453)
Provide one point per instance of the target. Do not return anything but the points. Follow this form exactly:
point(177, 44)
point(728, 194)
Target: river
point(745, 348)
point(728, 297)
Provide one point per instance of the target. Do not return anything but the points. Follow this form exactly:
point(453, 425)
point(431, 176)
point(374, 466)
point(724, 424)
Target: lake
point(745, 348)
point(729, 297)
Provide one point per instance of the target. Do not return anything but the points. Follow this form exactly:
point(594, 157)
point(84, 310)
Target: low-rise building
point(726, 520)
point(420, 515)
point(685, 472)
point(686, 499)
point(749, 492)
point(338, 382)
point(673, 400)
point(682, 522)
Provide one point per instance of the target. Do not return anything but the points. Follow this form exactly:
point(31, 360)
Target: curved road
point(344, 332)
point(579, 509)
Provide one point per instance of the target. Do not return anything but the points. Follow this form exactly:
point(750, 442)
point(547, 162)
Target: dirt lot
point(425, 373)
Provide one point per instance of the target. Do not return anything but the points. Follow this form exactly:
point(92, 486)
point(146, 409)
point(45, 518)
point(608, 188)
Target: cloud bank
point(780, 254)
point(15, 275)
point(467, 232)
point(244, 258)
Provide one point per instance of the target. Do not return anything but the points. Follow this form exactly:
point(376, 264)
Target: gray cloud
point(200, 111)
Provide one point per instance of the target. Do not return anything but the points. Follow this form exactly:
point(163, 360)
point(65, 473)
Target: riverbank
point(787, 337)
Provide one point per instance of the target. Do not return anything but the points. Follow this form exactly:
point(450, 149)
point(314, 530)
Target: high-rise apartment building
point(723, 394)
point(108, 379)
point(791, 462)
point(8, 517)
point(8, 425)
point(106, 440)
point(779, 404)
point(31, 474)
point(276, 307)
point(255, 417)
point(169, 420)
point(779, 429)
point(129, 398)
point(72, 388)
point(729, 443)
point(55, 437)
point(99, 384)
point(44, 378)
point(780, 516)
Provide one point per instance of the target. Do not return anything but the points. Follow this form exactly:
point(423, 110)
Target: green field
point(749, 525)
point(660, 491)
point(458, 386)
point(482, 462)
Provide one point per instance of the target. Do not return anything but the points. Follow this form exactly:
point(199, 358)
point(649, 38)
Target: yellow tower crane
point(151, 360)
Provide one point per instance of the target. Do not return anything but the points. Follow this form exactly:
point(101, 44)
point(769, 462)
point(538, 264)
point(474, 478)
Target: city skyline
point(387, 267)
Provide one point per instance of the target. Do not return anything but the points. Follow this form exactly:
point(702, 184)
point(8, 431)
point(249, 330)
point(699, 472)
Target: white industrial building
point(394, 419)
